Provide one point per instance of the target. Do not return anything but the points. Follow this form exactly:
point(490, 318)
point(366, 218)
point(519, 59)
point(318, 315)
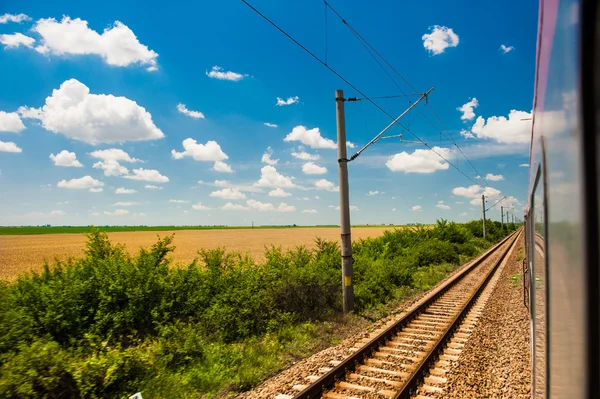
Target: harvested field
point(22, 253)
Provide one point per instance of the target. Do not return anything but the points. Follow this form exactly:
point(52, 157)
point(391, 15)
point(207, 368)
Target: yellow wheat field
point(22, 253)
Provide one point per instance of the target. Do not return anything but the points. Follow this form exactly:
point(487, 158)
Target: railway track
point(407, 358)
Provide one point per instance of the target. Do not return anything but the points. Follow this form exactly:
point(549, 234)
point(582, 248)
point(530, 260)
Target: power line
point(496, 203)
point(367, 43)
point(354, 87)
point(457, 146)
point(383, 97)
point(326, 34)
point(370, 49)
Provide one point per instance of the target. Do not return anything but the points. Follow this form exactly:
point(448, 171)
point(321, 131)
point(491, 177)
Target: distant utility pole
point(502, 217)
point(347, 283)
point(483, 208)
point(347, 287)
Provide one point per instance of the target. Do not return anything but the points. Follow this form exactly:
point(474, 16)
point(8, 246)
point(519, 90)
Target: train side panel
point(561, 214)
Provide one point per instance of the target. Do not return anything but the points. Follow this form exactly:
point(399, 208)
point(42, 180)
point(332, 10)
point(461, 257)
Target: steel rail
point(328, 380)
point(412, 383)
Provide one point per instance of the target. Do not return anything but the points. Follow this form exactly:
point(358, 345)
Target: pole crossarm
point(378, 137)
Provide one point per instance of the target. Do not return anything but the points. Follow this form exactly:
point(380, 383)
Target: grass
point(32, 230)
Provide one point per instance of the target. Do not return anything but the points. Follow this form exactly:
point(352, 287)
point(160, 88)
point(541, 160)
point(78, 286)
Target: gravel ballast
point(495, 362)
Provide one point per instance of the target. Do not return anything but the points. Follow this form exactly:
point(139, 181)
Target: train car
point(561, 217)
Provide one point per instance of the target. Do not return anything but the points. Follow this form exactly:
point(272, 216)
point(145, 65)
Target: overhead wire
point(355, 88)
point(370, 49)
point(496, 203)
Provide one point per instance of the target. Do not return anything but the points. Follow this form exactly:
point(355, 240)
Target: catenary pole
point(502, 217)
point(483, 209)
point(347, 287)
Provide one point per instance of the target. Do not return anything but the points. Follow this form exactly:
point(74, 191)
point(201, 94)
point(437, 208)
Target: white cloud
point(467, 110)
point(123, 190)
point(218, 73)
point(176, 201)
point(350, 144)
point(493, 177)
point(524, 165)
point(309, 211)
point(56, 213)
point(259, 206)
point(373, 192)
point(474, 192)
point(96, 190)
point(95, 214)
point(227, 183)
point(117, 212)
point(151, 175)
point(393, 209)
point(416, 208)
point(11, 122)
point(199, 207)
point(111, 168)
point(440, 38)
point(152, 187)
point(305, 156)
point(505, 130)
point(209, 152)
point(9, 146)
point(506, 49)
point(221, 183)
point(269, 177)
point(81, 183)
point(267, 206)
point(317, 197)
point(110, 161)
point(192, 114)
point(18, 18)
point(266, 158)
point(270, 124)
point(221, 166)
point(278, 192)
point(311, 168)
point(466, 134)
point(463, 214)
point(113, 154)
point(127, 203)
point(117, 45)
point(324, 184)
point(228, 193)
point(420, 161)
point(469, 192)
point(304, 199)
point(283, 207)
point(234, 207)
point(15, 40)
point(310, 137)
point(140, 214)
point(93, 118)
point(459, 202)
point(291, 100)
point(66, 158)
point(441, 205)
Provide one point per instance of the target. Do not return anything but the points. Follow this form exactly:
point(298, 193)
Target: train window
point(539, 286)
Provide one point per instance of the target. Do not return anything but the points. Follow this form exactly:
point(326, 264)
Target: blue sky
point(91, 101)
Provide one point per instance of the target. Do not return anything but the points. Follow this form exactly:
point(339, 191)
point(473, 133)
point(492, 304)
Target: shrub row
point(109, 323)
